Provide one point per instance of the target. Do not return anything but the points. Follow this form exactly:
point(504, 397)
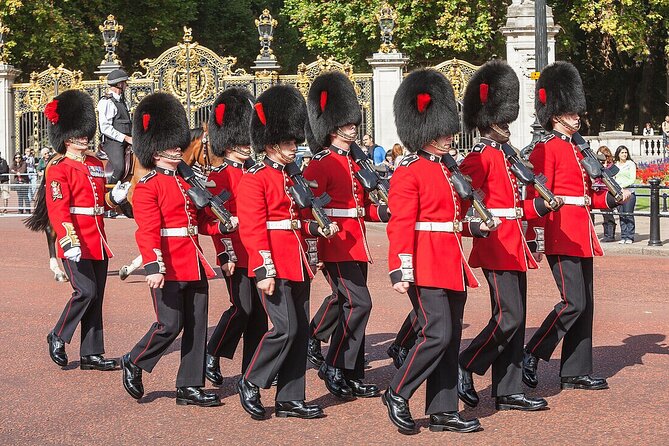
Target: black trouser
point(282, 351)
point(434, 357)
point(178, 305)
point(500, 344)
point(571, 318)
point(245, 316)
point(408, 333)
point(116, 153)
point(88, 279)
point(347, 347)
point(325, 320)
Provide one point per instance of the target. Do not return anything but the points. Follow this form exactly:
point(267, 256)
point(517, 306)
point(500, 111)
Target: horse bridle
point(205, 149)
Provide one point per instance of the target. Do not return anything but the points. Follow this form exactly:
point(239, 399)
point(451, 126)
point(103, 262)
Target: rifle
point(594, 168)
point(202, 197)
point(305, 198)
point(464, 189)
point(526, 176)
point(367, 175)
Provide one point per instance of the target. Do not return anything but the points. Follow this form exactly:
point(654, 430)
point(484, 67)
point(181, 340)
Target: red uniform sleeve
point(253, 226)
point(147, 216)
point(58, 199)
point(403, 200)
point(374, 212)
point(224, 250)
point(544, 164)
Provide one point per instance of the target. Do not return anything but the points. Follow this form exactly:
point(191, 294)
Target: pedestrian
point(75, 199)
point(665, 133)
point(31, 170)
point(570, 241)
point(375, 151)
point(425, 230)
point(281, 245)
point(334, 117)
point(21, 182)
point(625, 177)
point(42, 162)
point(609, 223)
point(398, 154)
point(648, 130)
point(4, 184)
point(168, 224)
point(230, 140)
point(115, 123)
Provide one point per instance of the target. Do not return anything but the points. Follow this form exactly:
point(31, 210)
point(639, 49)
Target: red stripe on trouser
point(327, 308)
point(350, 313)
point(566, 304)
point(229, 280)
point(499, 320)
point(413, 322)
point(420, 304)
point(255, 356)
point(155, 309)
point(69, 305)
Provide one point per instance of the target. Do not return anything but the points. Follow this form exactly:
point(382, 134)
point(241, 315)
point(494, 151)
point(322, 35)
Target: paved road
point(41, 404)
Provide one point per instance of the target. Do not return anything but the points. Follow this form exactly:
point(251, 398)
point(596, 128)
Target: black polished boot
point(530, 364)
point(466, 391)
point(584, 382)
point(398, 412)
point(519, 401)
point(398, 354)
point(57, 349)
point(314, 354)
point(197, 397)
point(335, 382)
point(97, 362)
point(298, 409)
point(249, 395)
point(212, 370)
point(362, 390)
point(132, 377)
point(452, 421)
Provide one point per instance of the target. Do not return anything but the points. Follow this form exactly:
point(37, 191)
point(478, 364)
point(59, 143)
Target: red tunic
point(160, 202)
point(73, 184)
point(279, 253)
point(505, 248)
point(333, 169)
point(421, 191)
point(569, 231)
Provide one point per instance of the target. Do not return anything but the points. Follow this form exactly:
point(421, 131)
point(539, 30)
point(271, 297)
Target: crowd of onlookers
point(20, 177)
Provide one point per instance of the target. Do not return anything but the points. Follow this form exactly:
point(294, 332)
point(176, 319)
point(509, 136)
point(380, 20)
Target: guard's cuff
point(405, 271)
point(70, 240)
point(537, 243)
point(267, 269)
point(312, 228)
point(540, 207)
point(228, 255)
point(312, 251)
point(157, 266)
point(611, 202)
point(475, 228)
point(384, 212)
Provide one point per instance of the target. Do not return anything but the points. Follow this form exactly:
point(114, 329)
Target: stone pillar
point(387, 75)
point(7, 138)
point(519, 34)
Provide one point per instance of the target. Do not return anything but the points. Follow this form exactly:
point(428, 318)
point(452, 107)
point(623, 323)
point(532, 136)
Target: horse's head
point(198, 151)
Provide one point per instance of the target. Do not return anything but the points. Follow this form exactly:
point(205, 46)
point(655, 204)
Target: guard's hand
point(496, 222)
point(120, 191)
point(538, 256)
point(320, 266)
point(560, 203)
point(235, 222)
point(333, 230)
point(626, 196)
point(128, 139)
point(228, 268)
point(73, 254)
point(401, 287)
point(155, 280)
point(266, 286)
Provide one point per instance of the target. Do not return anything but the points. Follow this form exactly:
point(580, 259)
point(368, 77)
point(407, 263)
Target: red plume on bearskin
point(280, 116)
point(229, 120)
point(51, 111)
point(491, 96)
point(260, 111)
point(71, 114)
point(563, 93)
point(542, 95)
point(422, 101)
point(483, 93)
point(219, 114)
point(145, 121)
point(324, 99)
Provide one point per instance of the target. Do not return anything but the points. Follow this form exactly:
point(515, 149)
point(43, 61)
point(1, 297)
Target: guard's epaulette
point(322, 154)
point(478, 147)
point(56, 159)
point(547, 137)
point(256, 168)
point(407, 160)
point(219, 167)
point(147, 177)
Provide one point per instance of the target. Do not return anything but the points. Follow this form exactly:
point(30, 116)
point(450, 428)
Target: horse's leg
point(126, 270)
point(58, 273)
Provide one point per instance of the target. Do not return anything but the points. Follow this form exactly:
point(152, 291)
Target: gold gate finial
point(387, 18)
point(188, 34)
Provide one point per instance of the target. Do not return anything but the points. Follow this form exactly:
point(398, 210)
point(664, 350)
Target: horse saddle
point(128, 167)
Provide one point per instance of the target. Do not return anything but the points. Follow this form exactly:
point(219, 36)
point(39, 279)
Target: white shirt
point(106, 112)
point(648, 131)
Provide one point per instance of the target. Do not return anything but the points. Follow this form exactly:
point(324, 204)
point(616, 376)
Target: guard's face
point(77, 143)
point(445, 141)
point(171, 157)
point(287, 150)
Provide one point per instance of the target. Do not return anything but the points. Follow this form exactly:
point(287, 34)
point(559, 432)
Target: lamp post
point(266, 60)
point(387, 18)
point(110, 31)
point(540, 62)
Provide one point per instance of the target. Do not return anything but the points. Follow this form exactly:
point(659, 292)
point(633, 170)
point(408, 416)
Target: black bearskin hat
point(331, 103)
point(159, 123)
point(71, 114)
point(559, 91)
point(491, 96)
point(229, 120)
point(279, 115)
point(311, 141)
point(425, 108)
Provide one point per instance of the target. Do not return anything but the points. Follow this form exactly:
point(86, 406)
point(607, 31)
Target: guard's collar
point(236, 164)
point(168, 172)
point(562, 136)
point(429, 156)
point(274, 164)
point(490, 142)
point(339, 150)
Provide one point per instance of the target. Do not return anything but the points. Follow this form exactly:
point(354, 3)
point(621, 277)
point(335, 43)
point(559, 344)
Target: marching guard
point(569, 238)
point(168, 224)
point(229, 139)
point(425, 256)
point(76, 201)
point(334, 117)
point(281, 246)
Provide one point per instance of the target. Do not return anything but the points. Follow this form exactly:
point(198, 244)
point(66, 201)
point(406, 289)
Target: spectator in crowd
point(4, 184)
point(455, 153)
point(606, 158)
point(397, 154)
point(306, 159)
point(665, 132)
point(375, 151)
point(31, 169)
point(648, 130)
point(625, 177)
point(45, 154)
point(20, 178)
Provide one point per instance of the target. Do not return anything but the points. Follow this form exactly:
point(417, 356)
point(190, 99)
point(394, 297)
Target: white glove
point(73, 254)
point(120, 191)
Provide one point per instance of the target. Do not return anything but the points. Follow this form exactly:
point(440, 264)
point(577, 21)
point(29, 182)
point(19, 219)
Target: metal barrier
point(16, 197)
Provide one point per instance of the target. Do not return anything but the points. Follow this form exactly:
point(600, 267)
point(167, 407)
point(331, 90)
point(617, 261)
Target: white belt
point(509, 213)
point(576, 201)
point(179, 232)
point(438, 226)
point(284, 224)
point(350, 213)
point(95, 210)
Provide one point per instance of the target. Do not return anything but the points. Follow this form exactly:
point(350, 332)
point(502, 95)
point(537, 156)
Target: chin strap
point(570, 127)
point(440, 147)
point(346, 136)
point(169, 156)
point(242, 150)
point(283, 157)
point(503, 133)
